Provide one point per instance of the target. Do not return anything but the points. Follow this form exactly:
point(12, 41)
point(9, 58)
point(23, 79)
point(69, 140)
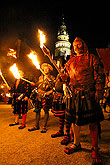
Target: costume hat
point(46, 65)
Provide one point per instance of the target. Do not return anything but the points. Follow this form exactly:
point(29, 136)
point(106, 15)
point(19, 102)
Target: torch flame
point(33, 57)
point(15, 71)
point(42, 38)
point(12, 53)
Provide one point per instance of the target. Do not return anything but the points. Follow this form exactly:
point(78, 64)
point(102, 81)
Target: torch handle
point(47, 53)
point(26, 80)
point(5, 81)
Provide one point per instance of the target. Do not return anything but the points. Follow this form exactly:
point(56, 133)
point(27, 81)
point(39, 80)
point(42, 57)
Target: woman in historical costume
point(44, 96)
point(21, 92)
point(87, 84)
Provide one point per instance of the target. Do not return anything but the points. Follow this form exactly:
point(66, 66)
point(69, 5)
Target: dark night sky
point(88, 20)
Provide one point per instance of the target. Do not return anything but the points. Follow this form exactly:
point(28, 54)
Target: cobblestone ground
point(20, 147)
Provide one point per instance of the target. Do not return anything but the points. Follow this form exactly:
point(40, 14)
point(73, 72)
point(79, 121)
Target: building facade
point(62, 46)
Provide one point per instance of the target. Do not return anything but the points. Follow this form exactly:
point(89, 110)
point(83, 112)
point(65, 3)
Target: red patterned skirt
point(58, 106)
point(20, 107)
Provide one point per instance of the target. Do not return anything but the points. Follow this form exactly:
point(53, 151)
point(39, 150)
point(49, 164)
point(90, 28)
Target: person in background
point(44, 96)
point(21, 93)
point(58, 105)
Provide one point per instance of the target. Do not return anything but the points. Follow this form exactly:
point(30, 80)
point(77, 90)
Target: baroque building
point(62, 45)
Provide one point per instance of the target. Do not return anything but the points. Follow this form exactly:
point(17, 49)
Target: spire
point(63, 22)
point(62, 46)
point(63, 29)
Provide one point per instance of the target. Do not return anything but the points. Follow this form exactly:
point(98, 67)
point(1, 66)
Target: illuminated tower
point(62, 46)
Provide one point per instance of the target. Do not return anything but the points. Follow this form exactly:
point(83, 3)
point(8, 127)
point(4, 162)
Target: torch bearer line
point(4, 80)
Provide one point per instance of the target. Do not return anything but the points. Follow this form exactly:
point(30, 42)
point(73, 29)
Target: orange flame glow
point(12, 53)
point(33, 57)
point(15, 71)
point(4, 79)
point(42, 38)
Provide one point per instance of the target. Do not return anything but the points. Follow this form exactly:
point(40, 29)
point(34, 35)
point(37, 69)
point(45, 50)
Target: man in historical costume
point(21, 92)
point(44, 96)
point(58, 105)
point(87, 84)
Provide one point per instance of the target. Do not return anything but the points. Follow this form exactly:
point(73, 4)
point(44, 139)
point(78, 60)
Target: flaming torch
point(4, 80)
point(46, 51)
point(42, 38)
point(12, 53)
point(33, 57)
point(16, 74)
point(15, 71)
point(42, 41)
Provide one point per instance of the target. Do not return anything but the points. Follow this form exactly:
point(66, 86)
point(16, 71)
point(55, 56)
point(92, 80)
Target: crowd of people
point(73, 96)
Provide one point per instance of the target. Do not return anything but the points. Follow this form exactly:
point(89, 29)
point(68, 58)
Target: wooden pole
point(4, 80)
point(26, 80)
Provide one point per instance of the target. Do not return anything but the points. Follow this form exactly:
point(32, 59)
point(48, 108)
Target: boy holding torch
point(44, 96)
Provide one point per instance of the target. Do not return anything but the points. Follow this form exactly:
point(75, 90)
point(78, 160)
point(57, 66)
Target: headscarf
point(84, 48)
